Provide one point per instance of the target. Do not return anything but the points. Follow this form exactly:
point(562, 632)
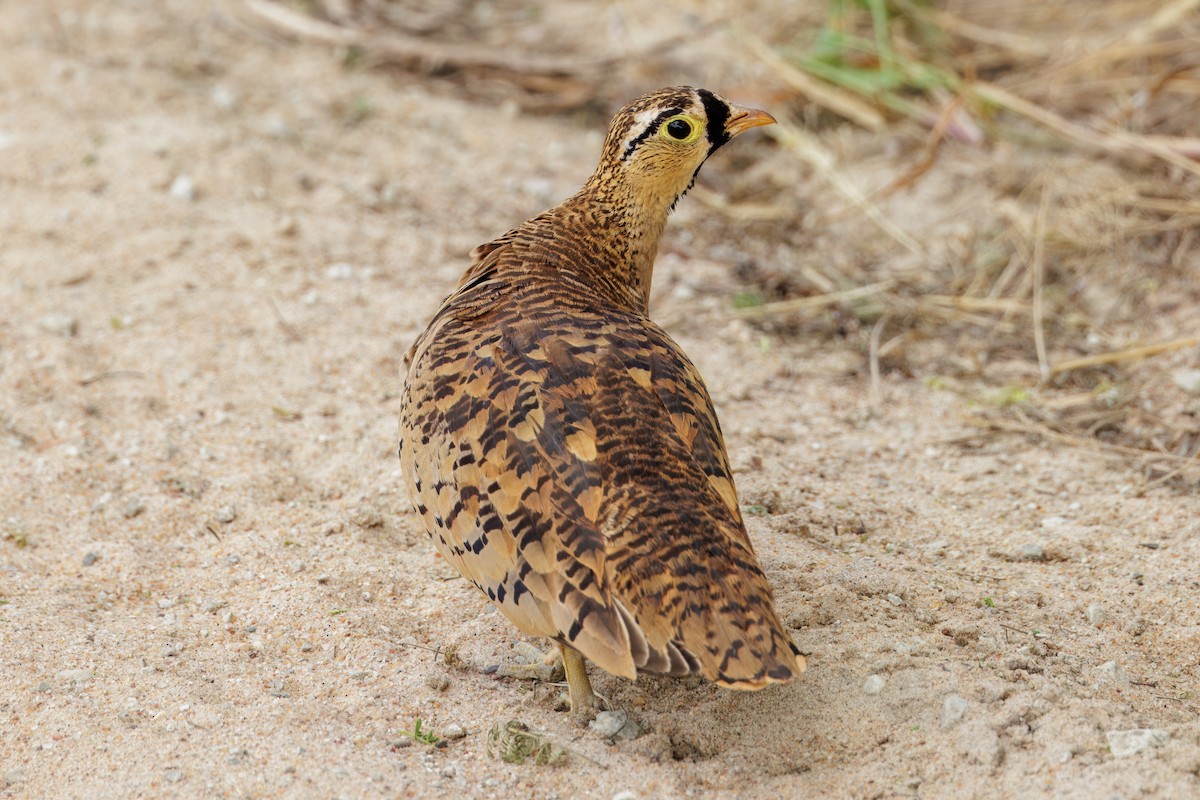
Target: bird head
point(657, 143)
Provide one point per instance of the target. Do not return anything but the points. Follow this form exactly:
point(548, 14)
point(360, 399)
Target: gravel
point(133, 506)
point(339, 272)
point(74, 675)
point(979, 742)
point(615, 725)
point(367, 517)
point(1131, 742)
point(183, 188)
point(59, 324)
point(1030, 552)
point(1187, 379)
point(1113, 672)
point(954, 710)
point(874, 684)
point(226, 514)
point(1096, 615)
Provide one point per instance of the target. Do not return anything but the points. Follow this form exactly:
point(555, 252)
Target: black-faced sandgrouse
point(563, 452)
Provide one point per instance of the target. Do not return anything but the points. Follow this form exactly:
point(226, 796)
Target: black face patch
point(717, 111)
point(650, 129)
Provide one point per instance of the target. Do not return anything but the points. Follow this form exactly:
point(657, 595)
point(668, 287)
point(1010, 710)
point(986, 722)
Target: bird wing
point(574, 470)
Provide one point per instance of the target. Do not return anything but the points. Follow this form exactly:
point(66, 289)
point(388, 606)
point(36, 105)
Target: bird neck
point(627, 225)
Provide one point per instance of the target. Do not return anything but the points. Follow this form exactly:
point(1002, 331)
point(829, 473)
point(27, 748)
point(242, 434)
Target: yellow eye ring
point(681, 128)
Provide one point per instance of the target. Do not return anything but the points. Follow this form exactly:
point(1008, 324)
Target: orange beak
point(743, 119)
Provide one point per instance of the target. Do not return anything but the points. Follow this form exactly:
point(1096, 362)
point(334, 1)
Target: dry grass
point(1064, 130)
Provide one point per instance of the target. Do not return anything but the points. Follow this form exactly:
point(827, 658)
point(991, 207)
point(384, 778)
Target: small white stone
point(874, 684)
point(59, 324)
point(895, 600)
point(614, 725)
point(133, 506)
point(954, 709)
point(224, 98)
point(1112, 671)
point(339, 272)
point(1031, 552)
point(1096, 614)
point(454, 731)
point(183, 188)
point(1053, 522)
point(624, 795)
point(1131, 742)
point(1187, 379)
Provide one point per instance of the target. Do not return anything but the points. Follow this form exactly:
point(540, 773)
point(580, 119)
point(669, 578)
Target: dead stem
point(1120, 356)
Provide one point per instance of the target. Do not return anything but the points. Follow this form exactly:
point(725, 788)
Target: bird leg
point(583, 699)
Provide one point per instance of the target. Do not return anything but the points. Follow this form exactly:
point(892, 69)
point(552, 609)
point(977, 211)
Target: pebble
point(895, 600)
point(979, 741)
point(44, 686)
point(1060, 753)
point(1096, 614)
point(1112, 671)
point(624, 795)
point(1030, 552)
point(339, 272)
point(438, 683)
point(173, 775)
point(954, 710)
point(1187, 379)
point(89, 559)
point(183, 188)
point(74, 675)
point(279, 128)
point(614, 725)
point(224, 98)
point(226, 514)
point(1127, 743)
point(133, 506)
point(1053, 522)
point(59, 324)
point(14, 775)
point(454, 731)
point(874, 684)
point(169, 650)
point(366, 517)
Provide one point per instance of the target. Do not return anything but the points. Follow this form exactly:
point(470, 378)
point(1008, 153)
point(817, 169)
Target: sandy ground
point(214, 250)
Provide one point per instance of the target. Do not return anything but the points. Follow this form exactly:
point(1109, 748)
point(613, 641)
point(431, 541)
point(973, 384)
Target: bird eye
point(680, 129)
